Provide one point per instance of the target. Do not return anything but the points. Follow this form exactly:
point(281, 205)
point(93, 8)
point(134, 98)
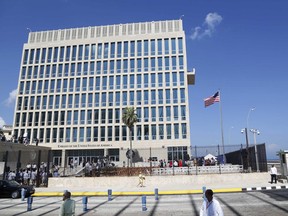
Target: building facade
point(75, 83)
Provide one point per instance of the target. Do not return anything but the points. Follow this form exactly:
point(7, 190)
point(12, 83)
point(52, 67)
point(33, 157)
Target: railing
point(227, 168)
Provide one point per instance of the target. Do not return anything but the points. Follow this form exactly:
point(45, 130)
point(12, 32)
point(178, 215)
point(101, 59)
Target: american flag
point(211, 100)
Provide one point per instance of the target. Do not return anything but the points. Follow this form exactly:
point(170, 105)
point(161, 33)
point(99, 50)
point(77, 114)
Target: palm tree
point(129, 118)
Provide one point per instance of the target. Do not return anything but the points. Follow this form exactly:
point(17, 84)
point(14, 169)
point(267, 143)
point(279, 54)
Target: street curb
point(264, 188)
point(151, 193)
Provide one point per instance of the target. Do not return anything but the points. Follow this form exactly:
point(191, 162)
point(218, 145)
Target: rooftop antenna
point(181, 17)
point(29, 29)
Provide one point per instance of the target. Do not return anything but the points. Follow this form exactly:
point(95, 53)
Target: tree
point(129, 118)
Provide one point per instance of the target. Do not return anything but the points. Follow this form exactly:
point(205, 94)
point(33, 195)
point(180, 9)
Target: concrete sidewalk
point(178, 184)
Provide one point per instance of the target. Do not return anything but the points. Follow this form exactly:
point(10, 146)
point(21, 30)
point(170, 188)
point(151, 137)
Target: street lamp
point(256, 131)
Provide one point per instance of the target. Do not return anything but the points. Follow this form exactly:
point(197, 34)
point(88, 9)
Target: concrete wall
point(226, 180)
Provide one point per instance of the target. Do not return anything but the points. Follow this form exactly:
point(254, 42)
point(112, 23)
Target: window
point(161, 131)
point(184, 130)
point(146, 114)
point(176, 131)
point(89, 116)
point(154, 132)
point(82, 117)
point(175, 96)
point(146, 132)
point(102, 133)
point(160, 113)
point(95, 133)
point(119, 49)
point(112, 50)
point(153, 114)
point(166, 45)
point(132, 81)
point(75, 117)
point(159, 46)
point(86, 52)
point(152, 47)
point(74, 51)
point(168, 98)
point(75, 130)
point(139, 48)
point(68, 51)
point(168, 131)
point(63, 101)
point(103, 116)
point(96, 99)
point(180, 45)
point(132, 48)
point(176, 114)
point(168, 113)
point(138, 132)
point(131, 96)
point(88, 134)
point(125, 48)
point(96, 116)
point(80, 52)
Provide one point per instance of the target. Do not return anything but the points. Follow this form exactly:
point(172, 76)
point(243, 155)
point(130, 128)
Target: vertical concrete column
point(105, 152)
point(63, 158)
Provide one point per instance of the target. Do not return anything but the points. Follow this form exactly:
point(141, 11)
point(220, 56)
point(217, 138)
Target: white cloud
point(2, 122)
point(208, 27)
point(12, 97)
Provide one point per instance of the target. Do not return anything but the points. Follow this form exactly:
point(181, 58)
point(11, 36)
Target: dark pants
point(273, 177)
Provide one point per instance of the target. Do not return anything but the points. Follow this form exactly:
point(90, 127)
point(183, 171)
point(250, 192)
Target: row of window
point(103, 67)
point(104, 50)
point(103, 83)
point(124, 98)
point(99, 116)
point(106, 133)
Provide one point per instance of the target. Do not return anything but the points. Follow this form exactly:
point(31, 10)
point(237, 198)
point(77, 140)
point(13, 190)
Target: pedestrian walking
point(210, 206)
point(273, 173)
point(68, 206)
point(141, 179)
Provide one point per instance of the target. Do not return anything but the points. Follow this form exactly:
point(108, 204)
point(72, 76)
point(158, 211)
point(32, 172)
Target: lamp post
point(247, 136)
point(256, 132)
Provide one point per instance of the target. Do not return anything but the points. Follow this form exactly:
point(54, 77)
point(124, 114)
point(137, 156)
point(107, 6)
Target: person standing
point(210, 206)
point(68, 206)
point(273, 173)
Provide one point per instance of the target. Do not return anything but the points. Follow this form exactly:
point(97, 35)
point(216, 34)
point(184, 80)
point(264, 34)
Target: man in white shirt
point(273, 173)
point(68, 206)
point(210, 206)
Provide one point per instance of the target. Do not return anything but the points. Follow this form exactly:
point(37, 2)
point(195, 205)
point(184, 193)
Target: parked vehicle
point(13, 189)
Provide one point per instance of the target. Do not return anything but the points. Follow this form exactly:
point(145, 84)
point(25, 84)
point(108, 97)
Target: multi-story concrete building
point(75, 83)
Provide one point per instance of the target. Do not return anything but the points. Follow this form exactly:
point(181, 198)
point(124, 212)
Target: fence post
point(144, 208)
point(156, 194)
point(109, 194)
point(84, 202)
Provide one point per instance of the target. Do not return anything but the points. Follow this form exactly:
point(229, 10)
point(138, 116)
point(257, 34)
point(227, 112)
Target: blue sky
point(239, 47)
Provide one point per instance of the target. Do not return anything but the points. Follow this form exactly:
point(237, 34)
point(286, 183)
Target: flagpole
point(221, 122)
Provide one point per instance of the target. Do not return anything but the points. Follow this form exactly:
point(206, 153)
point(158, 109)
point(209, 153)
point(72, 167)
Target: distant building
point(75, 83)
